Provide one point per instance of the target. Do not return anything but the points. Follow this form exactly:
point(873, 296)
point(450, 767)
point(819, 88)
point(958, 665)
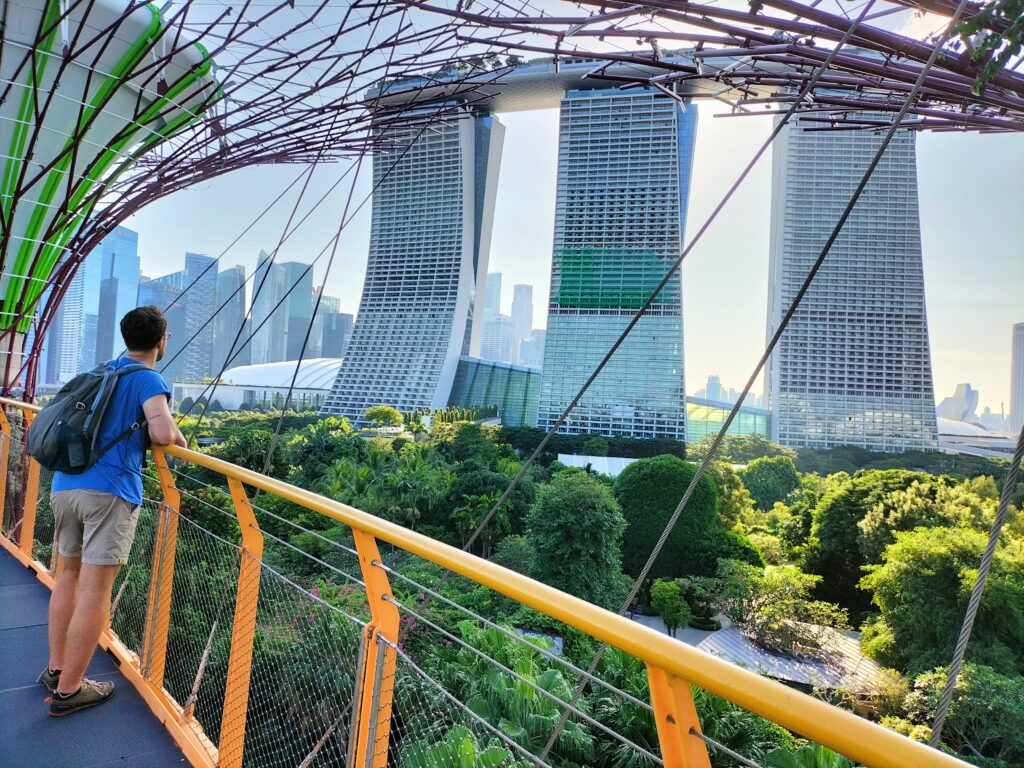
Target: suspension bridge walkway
point(224, 658)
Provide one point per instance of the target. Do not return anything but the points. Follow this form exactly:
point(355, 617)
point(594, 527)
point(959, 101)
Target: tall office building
point(492, 295)
point(65, 335)
point(230, 321)
point(323, 306)
point(297, 309)
point(200, 303)
point(269, 326)
point(623, 180)
point(430, 232)
point(522, 319)
point(498, 343)
point(165, 292)
point(854, 365)
point(713, 390)
point(532, 350)
point(335, 334)
point(86, 329)
point(1017, 379)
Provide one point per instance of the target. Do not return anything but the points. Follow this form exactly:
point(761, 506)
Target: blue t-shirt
point(119, 470)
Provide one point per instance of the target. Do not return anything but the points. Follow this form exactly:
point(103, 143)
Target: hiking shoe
point(50, 681)
point(90, 694)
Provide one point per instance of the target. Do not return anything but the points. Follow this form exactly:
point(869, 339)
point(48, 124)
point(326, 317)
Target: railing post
point(28, 519)
point(675, 715)
point(373, 694)
point(5, 457)
point(161, 580)
point(243, 633)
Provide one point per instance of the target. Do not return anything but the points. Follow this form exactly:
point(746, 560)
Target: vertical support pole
point(161, 580)
point(5, 457)
point(28, 520)
point(243, 633)
point(675, 714)
point(376, 679)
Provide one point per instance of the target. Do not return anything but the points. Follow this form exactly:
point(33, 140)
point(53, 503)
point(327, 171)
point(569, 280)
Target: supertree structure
point(760, 54)
point(107, 105)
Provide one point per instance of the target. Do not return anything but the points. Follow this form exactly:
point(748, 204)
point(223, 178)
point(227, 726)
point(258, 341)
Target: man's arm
point(162, 429)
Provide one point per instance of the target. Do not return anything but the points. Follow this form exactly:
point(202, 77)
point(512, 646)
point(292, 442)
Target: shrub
point(770, 479)
point(649, 490)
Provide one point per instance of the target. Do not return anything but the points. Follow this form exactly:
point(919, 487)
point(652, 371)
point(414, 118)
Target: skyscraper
point(498, 343)
point(854, 366)
point(430, 235)
point(86, 329)
point(230, 320)
point(623, 180)
point(165, 292)
point(1017, 378)
point(118, 289)
point(297, 308)
point(522, 319)
point(492, 295)
point(714, 388)
point(269, 327)
point(200, 303)
point(323, 306)
point(336, 334)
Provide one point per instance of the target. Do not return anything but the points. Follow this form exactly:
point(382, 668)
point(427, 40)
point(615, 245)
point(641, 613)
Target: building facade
point(269, 327)
point(854, 365)
point(1017, 378)
point(498, 342)
point(522, 319)
point(430, 232)
point(624, 163)
point(512, 389)
point(298, 309)
point(200, 278)
point(230, 320)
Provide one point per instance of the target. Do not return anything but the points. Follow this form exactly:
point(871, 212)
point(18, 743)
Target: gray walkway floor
point(122, 733)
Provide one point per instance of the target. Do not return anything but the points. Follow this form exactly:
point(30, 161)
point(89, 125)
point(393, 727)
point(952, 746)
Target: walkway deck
point(122, 733)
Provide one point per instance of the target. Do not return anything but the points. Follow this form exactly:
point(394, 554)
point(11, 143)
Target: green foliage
point(922, 588)
point(649, 490)
point(834, 552)
point(575, 528)
point(383, 416)
point(773, 606)
point(740, 449)
point(734, 501)
point(595, 446)
point(986, 715)
point(525, 439)
point(741, 731)
point(990, 47)
point(460, 748)
point(667, 600)
point(521, 712)
point(515, 553)
point(807, 756)
point(770, 480)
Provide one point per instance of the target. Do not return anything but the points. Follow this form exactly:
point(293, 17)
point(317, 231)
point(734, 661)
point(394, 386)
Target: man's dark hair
point(142, 328)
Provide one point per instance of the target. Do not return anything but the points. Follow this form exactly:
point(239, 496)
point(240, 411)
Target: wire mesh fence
point(17, 470)
point(131, 587)
point(44, 547)
point(304, 678)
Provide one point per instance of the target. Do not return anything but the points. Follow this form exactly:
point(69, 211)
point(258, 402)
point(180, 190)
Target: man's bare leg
point(92, 604)
point(62, 608)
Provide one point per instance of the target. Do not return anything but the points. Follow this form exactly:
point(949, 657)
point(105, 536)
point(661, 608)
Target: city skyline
point(971, 301)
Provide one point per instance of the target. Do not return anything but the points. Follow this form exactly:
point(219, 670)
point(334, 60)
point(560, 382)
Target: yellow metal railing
point(672, 667)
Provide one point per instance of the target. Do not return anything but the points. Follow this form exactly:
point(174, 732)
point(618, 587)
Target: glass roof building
point(624, 164)
point(854, 365)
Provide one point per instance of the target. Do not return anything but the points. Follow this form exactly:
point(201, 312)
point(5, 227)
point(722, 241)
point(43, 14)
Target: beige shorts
point(95, 526)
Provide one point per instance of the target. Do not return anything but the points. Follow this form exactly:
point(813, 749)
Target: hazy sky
point(972, 216)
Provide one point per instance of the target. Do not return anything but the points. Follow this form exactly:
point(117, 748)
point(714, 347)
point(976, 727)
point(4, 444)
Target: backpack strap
point(137, 425)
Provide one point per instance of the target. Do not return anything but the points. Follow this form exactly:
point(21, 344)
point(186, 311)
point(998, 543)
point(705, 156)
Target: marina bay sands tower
point(623, 180)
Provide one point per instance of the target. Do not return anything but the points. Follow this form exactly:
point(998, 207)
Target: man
point(95, 514)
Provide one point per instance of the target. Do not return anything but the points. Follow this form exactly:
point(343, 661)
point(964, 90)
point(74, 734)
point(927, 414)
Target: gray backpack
point(63, 434)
